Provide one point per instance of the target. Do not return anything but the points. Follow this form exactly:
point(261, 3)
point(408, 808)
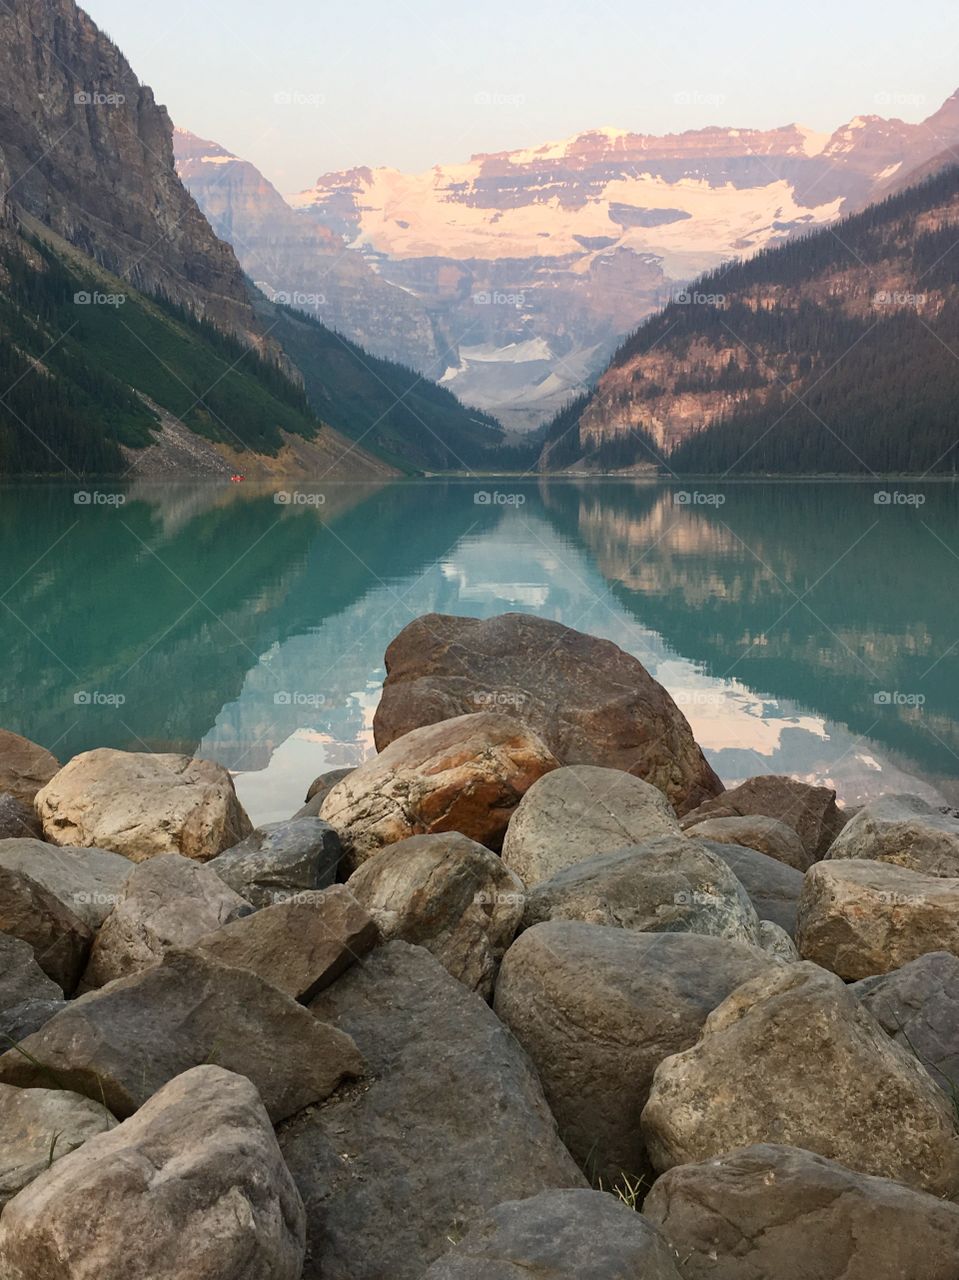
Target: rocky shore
point(529, 993)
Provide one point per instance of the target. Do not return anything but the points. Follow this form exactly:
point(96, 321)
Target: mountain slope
point(834, 353)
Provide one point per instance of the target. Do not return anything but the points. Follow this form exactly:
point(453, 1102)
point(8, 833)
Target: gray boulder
point(123, 1043)
point(574, 814)
point(793, 1057)
point(448, 894)
point(39, 1126)
point(777, 942)
point(169, 901)
point(21, 978)
point(860, 918)
point(299, 946)
point(451, 1123)
point(59, 937)
point(774, 889)
point(776, 1211)
point(281, 860)
point(192, 1186)
point(810, 811)
point(766, 835)
point(918, 1005)
point(87, 881)
point(597, 1009)
point(903, 830)
point(560, 1235)
point(670, 885)
point(23, 1019)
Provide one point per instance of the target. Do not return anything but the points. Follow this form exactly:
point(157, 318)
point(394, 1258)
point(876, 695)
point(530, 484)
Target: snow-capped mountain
point(525, 267)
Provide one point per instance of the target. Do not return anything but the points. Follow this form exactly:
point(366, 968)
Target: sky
point(305, 87)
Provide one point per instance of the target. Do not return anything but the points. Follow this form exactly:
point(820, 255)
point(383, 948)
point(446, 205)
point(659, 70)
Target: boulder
point(862, 918)
point(906, 831)
point(451, 1123)
point(18, 820)
point(192, 1186)
point(169, 901)
point(918, 1005)
point(578, 812)
point(670, 885)
point(21, 978)
point(776, 1211)
point(23, 1019)
point(774, 939)
point(560, 1235)
point(280, 860)
point(299, 946)
point(140, 805)
point(39, 1126)
point(123, 1043)
point(810, 811)
point(87, 881)
point(24, 767)
point(466, 775)
point(793, 1057)
point(766, 835)
point(589, 701)
point(59, 938)
point(448, 894)
point(597, 1009)
point(324, 784)
point(774, 889)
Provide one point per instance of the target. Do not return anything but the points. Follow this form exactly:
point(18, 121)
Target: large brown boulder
point(810, 811)
point(778, 1213)
point(860, 918)
point(121, 1044)
point(578, 812)
point(451, 1123)
point(597, 1009)
point(766, 835)
point(140, 804)
point(448, 894)
point(467, 775)
point(24, 767)
point(193, 1186)
point(793, 1057)
point(591, 702)
point(560, 1235)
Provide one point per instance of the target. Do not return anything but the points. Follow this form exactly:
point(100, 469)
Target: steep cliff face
point(88, 154)
point(832, 353)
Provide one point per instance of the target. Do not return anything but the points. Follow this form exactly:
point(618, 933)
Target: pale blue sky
point(411, 83)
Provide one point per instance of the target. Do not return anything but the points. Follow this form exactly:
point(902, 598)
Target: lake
point(804, 628)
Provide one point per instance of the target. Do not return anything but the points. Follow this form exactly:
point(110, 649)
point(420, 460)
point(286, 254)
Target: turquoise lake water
point(804, 628)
